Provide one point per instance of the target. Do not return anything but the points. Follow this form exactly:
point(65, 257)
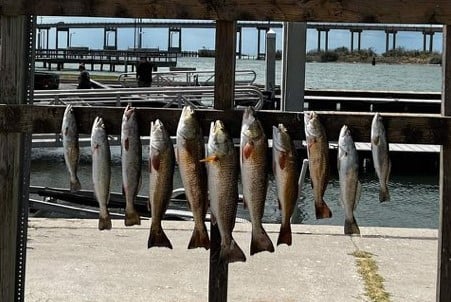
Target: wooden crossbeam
point(401, 128)
point(365, 11)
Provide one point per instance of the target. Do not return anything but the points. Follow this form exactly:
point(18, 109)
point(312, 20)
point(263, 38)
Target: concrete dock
point(70, 260)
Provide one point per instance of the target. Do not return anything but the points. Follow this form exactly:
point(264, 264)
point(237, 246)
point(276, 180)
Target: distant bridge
point(175, 32)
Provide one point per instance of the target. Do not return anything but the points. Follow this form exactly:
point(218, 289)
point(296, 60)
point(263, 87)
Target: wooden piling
point(224, 90)
point(14, 173)
point(444, 240)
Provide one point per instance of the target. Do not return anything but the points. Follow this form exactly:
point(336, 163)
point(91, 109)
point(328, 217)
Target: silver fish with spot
point(71, 148)
point(381, 159)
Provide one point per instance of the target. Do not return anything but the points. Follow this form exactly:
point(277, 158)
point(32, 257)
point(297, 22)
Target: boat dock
point(71, 260)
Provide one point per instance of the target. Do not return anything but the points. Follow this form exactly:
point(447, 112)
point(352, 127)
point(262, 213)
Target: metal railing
point(187, 78)
point(197, 96)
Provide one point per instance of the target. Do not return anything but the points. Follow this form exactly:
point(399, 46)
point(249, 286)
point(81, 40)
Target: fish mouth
point(249, 112)
point(218, 125)
point(156, 125)
point(129, 110)
point(98, 122)
point(345, 131)
point(68, 109)
point(187, 111)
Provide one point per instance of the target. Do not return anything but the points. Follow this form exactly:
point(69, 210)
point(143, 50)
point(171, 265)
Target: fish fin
point(247, 150)
point(260, 241)
point(232, 253)
point(212, 219)
point(284, 234)
point(351, 226)
point(322, 210)
point(358, 193)
point(274, 171)
point(157, 238)
point(209, 159)
point(384, 195)
point(155, 161)
point(279, 204)
point(105, 223)
point(126, 144)
point(244, 203)
point(199, 238)
point(376, 140)
point(75, 185)
point(282, 160)
point(132, 218)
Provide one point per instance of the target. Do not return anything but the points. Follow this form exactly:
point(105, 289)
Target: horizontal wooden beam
point(366, 11)
point(401, 128)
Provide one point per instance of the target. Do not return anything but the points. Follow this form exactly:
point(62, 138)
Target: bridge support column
point(326, 39)
point(106, 38)
point(175, 31)
point(260, 54)
point(270, 58)
point(387, 39)
point(293, 66)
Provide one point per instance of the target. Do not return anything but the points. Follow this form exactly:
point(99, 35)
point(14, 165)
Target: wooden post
point(444, 237)
point(14, 162)
point(224, 99)
point(225, 64)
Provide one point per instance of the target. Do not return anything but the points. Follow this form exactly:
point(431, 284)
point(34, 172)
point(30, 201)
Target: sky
point(195, 39)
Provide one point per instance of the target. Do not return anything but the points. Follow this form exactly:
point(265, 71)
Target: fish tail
point(131, 217)
point(105, 223)
point(351, 227)
point(260, 241)
point(157, 237)
point(199, 238)
point(75, 184)
point(284, 234)
point(322, 210)
point(384, 195)
point(232, 253)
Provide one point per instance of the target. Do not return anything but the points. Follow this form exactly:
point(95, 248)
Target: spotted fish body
point(348, 172)
point(318, 156)
point(254, 177)
point(71, 148)
point(101, 171)
point(161, 168)
point(286, 175)
point(190, 150)
point(131, 164)
point(381, 159)
point(222, 171)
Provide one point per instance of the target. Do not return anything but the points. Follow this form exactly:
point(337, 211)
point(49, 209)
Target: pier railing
point(187, 78)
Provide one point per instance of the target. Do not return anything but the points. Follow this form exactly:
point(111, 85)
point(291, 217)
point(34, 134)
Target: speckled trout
point(69, 131)
point(318, 157)
point(161, 168)
point(222, 172)
point(286, 175)
point(381, 159)
point(101, 171)
point(348, 172)
point(131, 163)
point(254, 177)
point(190, 150)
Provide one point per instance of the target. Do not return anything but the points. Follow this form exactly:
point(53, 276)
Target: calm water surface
point(414, 198)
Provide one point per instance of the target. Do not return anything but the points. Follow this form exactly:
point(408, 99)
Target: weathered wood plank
point(382, 11)
point(444, 240)
point(225, 64)
point(12, 91)
point(401, 128)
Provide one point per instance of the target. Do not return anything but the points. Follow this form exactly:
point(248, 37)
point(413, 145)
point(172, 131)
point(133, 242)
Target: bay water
point(414, 197)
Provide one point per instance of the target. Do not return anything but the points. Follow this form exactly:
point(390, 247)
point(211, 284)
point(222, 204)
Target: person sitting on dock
point(84, 79)
point(144, 73)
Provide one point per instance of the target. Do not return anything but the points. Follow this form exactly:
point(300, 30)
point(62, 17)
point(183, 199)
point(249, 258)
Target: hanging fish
point(318, 157)
point(254, 177)
point(348, 172)
point(381, 159)
point(161, 168)
point(71, 147)
point(190, 150)
point(131, 164)
point(222, 172)
point(101, 171)
point(286, 175)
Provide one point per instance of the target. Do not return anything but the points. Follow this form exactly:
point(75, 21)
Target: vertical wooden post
point(444, 240)
point(224, 99)
point(225, 64)
point(15, 88)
